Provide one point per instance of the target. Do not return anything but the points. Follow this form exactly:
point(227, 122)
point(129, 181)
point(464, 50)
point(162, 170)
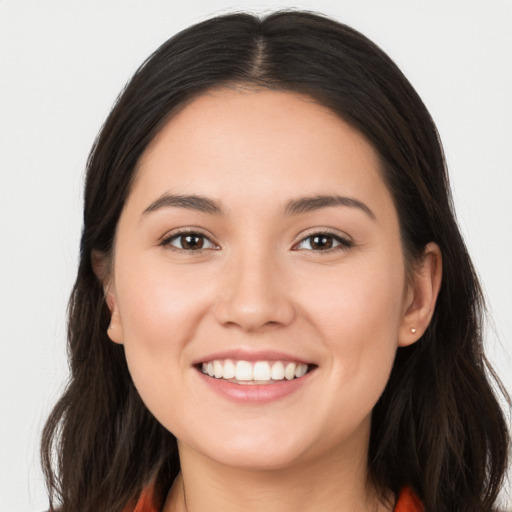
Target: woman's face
point(258, 241)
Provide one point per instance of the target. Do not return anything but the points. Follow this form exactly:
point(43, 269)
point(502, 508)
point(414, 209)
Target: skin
point(258, 283)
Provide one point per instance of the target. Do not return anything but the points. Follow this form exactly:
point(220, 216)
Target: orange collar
point(407, 502)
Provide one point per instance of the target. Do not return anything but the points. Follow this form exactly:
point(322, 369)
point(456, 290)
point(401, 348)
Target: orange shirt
point(407, 502)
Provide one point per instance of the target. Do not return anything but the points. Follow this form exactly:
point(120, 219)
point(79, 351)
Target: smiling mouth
point(257, 372)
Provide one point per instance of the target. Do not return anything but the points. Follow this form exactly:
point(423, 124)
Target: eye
point(189, 241)
point(323, 242)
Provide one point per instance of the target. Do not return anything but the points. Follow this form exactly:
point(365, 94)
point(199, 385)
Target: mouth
point(254, 372)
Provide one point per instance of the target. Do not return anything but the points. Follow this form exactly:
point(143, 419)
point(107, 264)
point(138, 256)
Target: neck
point(336, 482)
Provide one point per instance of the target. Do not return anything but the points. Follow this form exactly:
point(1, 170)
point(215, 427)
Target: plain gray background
point(62, 63)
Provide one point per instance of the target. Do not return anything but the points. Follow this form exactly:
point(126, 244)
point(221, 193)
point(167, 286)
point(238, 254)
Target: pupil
point(322, 242)
point(192, 242)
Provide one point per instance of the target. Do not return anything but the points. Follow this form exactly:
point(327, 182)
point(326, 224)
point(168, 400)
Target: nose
point(254, 295)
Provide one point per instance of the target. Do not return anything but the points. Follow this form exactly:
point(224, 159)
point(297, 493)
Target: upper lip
point(243, 354)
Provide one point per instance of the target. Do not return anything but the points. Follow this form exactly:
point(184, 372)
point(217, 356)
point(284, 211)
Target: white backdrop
point(62, 63)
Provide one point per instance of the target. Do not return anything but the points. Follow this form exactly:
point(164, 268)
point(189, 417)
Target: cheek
point(160, 312)
point(358, 316)
point(360, 302)
point(159, 306)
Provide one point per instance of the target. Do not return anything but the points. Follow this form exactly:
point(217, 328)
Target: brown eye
point(323, 242)
point(319, 242)
point(189, 242)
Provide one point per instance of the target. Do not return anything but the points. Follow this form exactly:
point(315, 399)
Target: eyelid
point(344, 240)
point(168, 237)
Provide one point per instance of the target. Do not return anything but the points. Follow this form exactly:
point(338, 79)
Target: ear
point(421, 296)
point(101, 267)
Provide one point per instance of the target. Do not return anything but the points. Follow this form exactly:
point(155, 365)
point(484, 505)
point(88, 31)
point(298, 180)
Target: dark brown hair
point(437, 427)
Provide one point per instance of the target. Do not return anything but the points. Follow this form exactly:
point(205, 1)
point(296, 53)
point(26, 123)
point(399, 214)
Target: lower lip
point(255, 393)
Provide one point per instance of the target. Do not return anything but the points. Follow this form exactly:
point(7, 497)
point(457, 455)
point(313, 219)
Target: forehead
point(232, 143)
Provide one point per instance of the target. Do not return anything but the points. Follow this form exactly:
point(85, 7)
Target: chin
point(252, 451)
point(255, 458)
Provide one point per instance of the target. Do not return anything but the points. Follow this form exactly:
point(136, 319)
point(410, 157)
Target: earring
point(413, 330)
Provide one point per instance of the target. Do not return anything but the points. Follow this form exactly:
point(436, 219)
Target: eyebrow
point(189, 202)
point(308, 204)
point(293, 207)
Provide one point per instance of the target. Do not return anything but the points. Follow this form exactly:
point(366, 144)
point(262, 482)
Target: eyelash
point(178, 234)
point(343, 243)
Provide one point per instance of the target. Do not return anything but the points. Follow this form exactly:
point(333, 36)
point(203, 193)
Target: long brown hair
point(437, 427)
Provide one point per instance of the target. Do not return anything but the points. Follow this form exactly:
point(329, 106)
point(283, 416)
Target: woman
point(274, 307)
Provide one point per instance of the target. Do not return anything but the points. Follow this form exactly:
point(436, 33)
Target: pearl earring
point(413, 330)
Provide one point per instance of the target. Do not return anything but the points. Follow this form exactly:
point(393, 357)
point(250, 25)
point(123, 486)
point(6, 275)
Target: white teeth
point(277, 372)
point(289, 371)
point(301, 370)
point(259, 371)
point(243, 370)
point(218, 369)
point(229, 369)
